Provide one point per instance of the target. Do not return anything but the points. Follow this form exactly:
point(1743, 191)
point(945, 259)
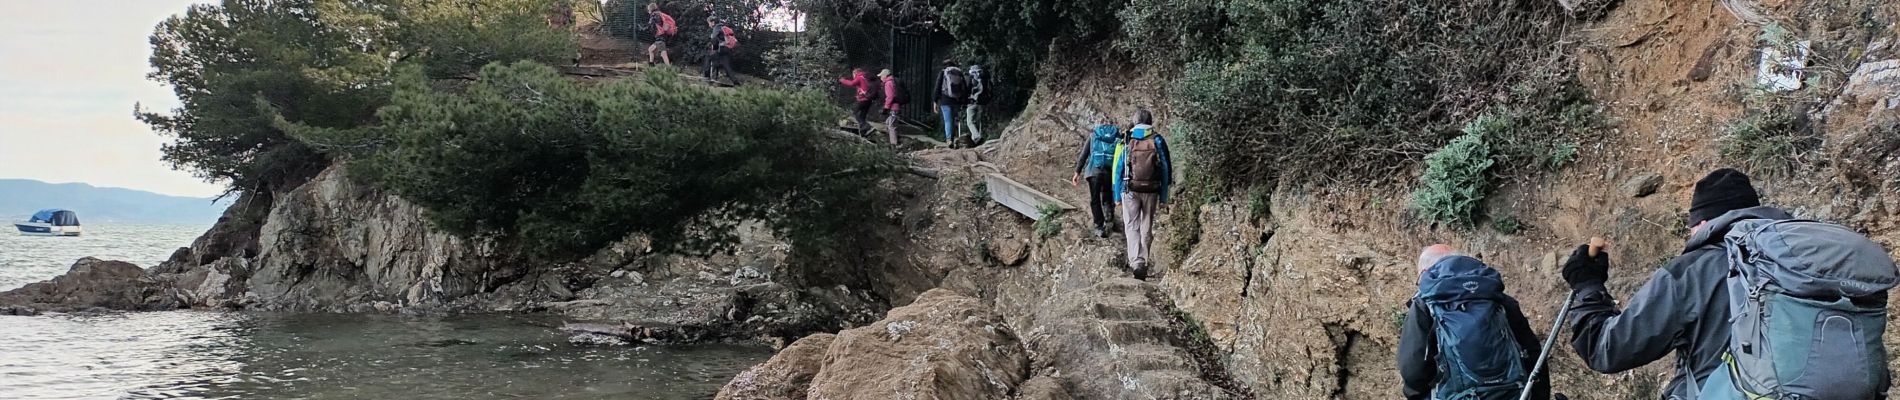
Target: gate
point(910, 60)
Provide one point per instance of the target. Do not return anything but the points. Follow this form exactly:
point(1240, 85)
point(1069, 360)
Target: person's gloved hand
point(1582, 270)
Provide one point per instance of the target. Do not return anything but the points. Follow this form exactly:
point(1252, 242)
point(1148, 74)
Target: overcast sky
point(70, 71)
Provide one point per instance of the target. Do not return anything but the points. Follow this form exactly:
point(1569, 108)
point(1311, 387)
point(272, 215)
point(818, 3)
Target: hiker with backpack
point(894, 100)
point(953, 89)
point(1463, 338)
point(664, 29)
point(720, 49)
point(1142, 173)
point(862, 108)
point(1758, 305)
point(973, 108)
point(1098, 153)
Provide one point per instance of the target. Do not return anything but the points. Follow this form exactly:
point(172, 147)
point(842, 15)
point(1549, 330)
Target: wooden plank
point(1017, 196)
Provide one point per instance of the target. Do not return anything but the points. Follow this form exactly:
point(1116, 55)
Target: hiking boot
point(1141, 271)
point(1099, 232)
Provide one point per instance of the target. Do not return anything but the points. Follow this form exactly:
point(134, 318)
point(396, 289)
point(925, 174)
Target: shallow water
point(220, 355)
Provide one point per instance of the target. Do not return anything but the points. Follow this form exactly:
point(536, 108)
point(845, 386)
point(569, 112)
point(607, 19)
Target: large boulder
point(785, 377)
point(942, 346)
point(94, 283)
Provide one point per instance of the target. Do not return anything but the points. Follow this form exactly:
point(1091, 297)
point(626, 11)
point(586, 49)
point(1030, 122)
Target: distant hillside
point(19, 198)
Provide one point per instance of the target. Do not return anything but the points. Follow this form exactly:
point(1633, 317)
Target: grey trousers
point(971, 114)
point(1138, 219)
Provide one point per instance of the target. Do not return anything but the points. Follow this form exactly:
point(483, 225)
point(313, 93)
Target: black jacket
point(1682, 309)
point(1418, 350)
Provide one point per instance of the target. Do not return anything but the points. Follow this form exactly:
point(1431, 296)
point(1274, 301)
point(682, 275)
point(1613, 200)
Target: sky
point(70, 72)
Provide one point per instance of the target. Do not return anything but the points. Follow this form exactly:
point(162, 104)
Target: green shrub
point(1172, 31)
point(1508, 225)
point(1456, 179)
point(1773, 138)
point(1049, 223)
point(812, 61)
point(237, 67)
point(1356, 88)
point(567, 168)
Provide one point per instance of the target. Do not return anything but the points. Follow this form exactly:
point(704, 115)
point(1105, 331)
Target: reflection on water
point(189, 354)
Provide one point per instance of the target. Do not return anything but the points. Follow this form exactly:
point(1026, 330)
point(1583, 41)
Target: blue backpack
point(1478, 357)
point(1102, 147)
point(1809, 309)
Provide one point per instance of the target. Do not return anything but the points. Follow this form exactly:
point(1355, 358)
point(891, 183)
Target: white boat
point(50, 222)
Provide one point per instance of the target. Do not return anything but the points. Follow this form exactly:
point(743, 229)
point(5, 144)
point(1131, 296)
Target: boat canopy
point(57, 217)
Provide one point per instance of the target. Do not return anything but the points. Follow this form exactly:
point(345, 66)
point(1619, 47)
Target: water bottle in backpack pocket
point(1478, 357)
point(1809, 313)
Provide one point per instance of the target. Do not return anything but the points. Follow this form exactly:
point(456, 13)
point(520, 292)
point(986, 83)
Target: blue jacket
point(1121, 160)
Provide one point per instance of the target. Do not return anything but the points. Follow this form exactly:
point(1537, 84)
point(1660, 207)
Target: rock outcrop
point(942, 346)
point(786, 376)
point(93, 283)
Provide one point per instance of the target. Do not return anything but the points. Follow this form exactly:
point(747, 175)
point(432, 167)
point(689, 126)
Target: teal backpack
point(1102, 148)
point(1809, 310)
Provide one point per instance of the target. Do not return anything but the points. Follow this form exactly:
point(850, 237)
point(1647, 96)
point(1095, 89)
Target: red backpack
point(732, 41)
point(667, 27)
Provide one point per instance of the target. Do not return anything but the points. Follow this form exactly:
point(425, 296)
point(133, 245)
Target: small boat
point(50, 222)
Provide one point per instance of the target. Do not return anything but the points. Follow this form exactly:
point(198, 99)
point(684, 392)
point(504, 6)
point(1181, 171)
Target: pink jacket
point(857, 81)
point(890, 94)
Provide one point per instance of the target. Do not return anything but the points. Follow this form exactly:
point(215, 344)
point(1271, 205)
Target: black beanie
point(1722, 191)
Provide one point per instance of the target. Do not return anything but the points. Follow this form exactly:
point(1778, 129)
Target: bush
point(1050, 222)
point(1172, 31)
point(238, 67)
point(567, 168)
point(1456, 181)
point(810, 62)
point(1770, 139)
point(1355, 88)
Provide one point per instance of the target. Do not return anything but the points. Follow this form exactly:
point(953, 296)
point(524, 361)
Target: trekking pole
point(1596, 244)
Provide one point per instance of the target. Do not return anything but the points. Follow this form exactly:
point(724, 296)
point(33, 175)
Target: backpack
point(1478, 356)
point(900, 96)
point(1809, 309)
point(1144, 173)
point(667, 27)
point(731, 41)
point(1102, 146)
point(976, 84)
point(956, 84)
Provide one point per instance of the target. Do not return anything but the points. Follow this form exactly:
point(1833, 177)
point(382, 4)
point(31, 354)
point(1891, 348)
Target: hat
point(1718, 193)
point(885, 73)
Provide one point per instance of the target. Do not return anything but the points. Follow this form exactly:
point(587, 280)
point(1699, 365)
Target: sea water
point(238, 355)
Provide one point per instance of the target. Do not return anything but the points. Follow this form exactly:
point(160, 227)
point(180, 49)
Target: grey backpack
point(1809, 309)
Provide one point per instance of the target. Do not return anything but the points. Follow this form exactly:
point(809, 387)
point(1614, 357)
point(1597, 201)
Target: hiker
point(1461, 297)
point(1810, 273)
point(863, 95)
point(664, 29)
point(719, 51)
point(973, 111)
point(894, 100)
point(1098, 153)
point(1142, 174)
point(953, 89)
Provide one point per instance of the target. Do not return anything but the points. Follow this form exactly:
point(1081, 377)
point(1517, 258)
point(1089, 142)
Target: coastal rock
point(786, 376)
point(942, 346)
point(94, 283)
